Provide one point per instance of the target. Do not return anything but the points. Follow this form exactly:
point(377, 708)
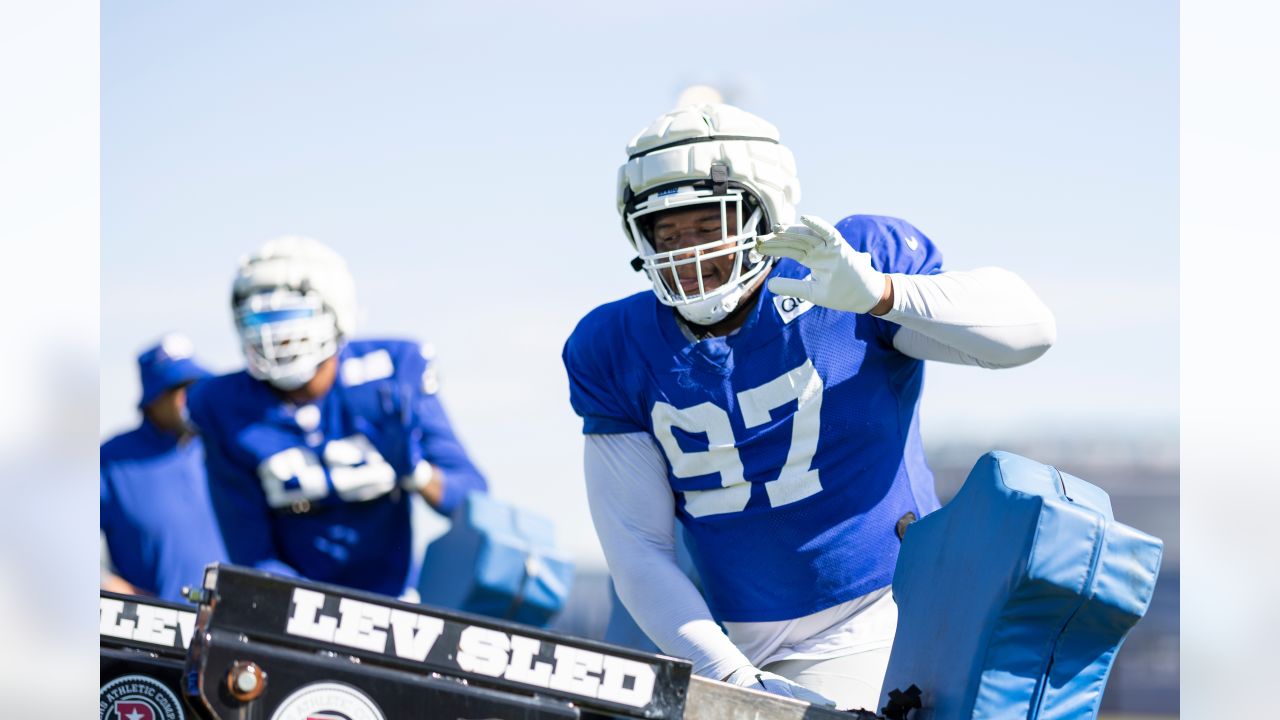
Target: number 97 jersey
point(792, 446)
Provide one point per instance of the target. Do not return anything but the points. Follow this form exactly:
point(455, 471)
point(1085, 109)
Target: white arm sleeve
point(986, 317)
point(634, 514)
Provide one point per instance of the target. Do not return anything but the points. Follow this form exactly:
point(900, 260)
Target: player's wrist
point(420, 478)
point(885, 303)
point(427, 480)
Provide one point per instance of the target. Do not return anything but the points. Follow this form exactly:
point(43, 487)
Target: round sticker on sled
point(328, 701)
point(138, 697)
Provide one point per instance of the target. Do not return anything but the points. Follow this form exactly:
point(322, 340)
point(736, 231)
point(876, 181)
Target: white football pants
point(852, 681)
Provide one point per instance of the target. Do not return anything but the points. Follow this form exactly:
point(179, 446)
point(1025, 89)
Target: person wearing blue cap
point(156, 517)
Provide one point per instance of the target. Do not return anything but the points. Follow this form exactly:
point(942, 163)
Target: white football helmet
point(704, 154)
point(294, 301)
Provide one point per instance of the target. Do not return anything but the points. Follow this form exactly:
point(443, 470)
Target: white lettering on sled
point(480, 650)
point(155, 625)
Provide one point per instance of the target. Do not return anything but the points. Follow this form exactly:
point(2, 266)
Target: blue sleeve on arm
point(420, 429)
point(441, 448)
point(593, 397)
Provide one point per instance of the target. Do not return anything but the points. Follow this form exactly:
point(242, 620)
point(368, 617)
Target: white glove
point(748, 676)
point(842, 278)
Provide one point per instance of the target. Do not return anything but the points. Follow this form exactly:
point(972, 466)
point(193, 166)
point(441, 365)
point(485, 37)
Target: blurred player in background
point(765, 394)
point(314, 448)
point(155, 515)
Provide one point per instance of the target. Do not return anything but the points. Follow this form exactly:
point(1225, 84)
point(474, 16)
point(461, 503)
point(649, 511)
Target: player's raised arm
point(987, 317)
point(841, 277)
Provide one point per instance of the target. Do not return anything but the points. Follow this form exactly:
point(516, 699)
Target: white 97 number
point(796, 481)
point(357, 469)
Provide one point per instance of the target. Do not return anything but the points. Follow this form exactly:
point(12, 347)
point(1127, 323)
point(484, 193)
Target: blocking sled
point(281, 649)
point(1013, 601)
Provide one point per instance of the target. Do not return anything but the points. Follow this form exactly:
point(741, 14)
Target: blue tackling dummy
point(796, 381)
point(497, 560)
point(1014, 598)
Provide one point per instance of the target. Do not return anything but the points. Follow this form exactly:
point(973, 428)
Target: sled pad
point(1014, 598)
point(497, 560)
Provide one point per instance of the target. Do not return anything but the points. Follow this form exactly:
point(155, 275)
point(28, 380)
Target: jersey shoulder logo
point(789, 308)
point(376, 365)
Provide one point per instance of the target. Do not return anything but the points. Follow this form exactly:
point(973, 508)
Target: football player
point(154, 514)
point(765, 394)
point(313, 448)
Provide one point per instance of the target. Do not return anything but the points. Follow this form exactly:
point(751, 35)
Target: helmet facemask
point(678, 276)
point(707, 153)
point(286, 334)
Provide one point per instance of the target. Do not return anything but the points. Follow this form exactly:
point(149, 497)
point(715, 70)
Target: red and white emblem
point(134, 710)
point(138, 697)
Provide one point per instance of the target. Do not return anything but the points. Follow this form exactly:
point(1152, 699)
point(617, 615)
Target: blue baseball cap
point(167, 365)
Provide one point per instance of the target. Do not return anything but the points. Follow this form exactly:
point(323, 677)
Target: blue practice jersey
point(316, 490)
point(155, 510)
point(792, 446)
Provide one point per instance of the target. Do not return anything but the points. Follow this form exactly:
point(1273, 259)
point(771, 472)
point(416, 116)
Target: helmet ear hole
point(749, 207)
point(645, 225)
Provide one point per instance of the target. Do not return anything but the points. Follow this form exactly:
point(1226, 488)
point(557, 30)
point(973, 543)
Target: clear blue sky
point(462, 156)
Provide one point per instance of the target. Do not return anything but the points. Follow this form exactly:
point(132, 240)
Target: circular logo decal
point(138, 697)
point(328, 701)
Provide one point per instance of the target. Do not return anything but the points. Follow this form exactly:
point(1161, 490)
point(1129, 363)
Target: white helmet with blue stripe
point(294, 301)
point(703, 154)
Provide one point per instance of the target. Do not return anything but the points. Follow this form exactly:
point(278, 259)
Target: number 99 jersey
point(322, 490)
point(792, 446)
